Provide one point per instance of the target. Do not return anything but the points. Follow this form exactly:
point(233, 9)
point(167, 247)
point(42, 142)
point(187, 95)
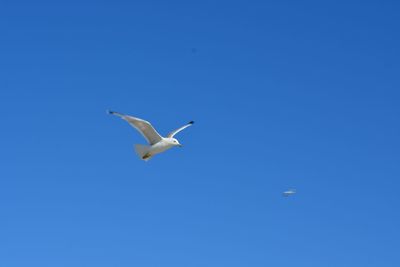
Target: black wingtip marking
point(114, 113)
point(191, 122)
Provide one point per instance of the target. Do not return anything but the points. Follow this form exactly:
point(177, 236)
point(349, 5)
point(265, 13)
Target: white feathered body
point(145, 152)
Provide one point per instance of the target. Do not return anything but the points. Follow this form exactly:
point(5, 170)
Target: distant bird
point(289, 192)
point(157, 143)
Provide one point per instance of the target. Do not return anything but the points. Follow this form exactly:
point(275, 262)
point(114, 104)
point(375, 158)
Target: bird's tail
point(143, 152)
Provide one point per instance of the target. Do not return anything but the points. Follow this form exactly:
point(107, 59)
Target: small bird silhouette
point(289, 192)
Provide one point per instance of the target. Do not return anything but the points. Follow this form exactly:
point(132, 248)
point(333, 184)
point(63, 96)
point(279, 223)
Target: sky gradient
point(285, 94)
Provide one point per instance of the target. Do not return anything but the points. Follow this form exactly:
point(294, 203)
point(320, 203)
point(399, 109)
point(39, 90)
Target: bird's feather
point(144, 127)
point(174, 132)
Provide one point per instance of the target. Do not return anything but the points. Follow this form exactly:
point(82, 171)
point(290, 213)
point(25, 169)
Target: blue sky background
point(301, 94)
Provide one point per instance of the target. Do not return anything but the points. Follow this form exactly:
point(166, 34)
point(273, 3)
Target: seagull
point(289, 192)
point(157, 143)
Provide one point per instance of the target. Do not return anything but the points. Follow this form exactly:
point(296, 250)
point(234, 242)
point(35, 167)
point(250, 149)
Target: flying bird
point(157, 143)
point(289, 192)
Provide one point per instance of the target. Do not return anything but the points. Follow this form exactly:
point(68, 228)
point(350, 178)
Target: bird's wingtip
point(115, 113)
point(191, 122)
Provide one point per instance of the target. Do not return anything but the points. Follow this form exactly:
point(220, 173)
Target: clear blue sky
point(301, 94)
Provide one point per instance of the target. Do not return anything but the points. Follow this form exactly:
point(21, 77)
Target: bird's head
point(174, 142)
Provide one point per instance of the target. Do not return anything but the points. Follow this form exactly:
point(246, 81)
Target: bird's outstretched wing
point(171, 134)
point(144, 127)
